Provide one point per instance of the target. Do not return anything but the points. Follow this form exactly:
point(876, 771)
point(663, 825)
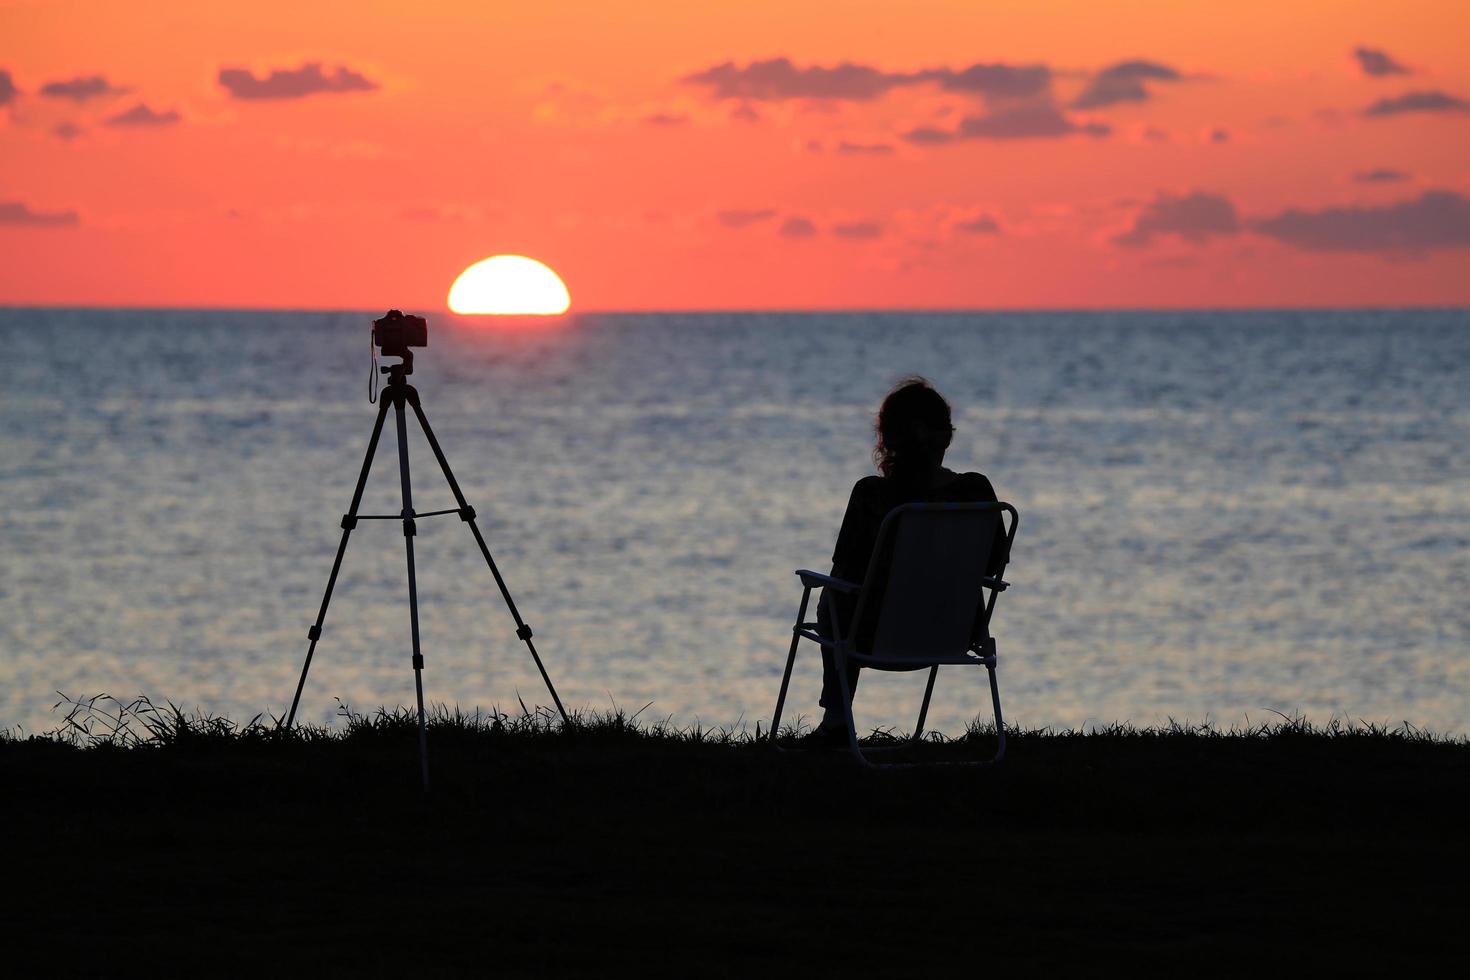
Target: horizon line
point(757, 310)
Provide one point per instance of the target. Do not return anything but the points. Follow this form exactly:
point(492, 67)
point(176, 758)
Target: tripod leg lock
point(348, 522)
point(418, 661)
point(314, 634)
point(524, 632)
point(467, 513)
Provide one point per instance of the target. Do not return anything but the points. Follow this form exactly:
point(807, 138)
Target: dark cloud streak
point(293, 83)
point(1376, 62)
point(141, 115)
point(82, 88)
point(8, 91)
point(775, 79)
point(1195, 217)
point(1429, 101)
point(1435, 219)
point(1123, 82)
point(744, 217)
point(18, 213)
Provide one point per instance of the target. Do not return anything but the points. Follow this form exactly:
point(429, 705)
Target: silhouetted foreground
point(611, 847)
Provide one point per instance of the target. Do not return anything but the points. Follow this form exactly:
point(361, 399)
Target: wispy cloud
point(82, 88)
point(982, 225)
point(293, 83)
point(141, 115)
point(1429, 101)
point(18, 213)
point(1376, 62)
point(1380, 175)
point(1194, 217)
point(1034, 121)
point(1123, 82)
point(8, 91)
point(797, 227)
point(1434, 220)
point(858, 230)
point(864, 149)
point(776, 79)
point(744, 217)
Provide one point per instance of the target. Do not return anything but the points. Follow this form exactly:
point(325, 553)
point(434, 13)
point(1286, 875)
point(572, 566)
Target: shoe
point(823, 737)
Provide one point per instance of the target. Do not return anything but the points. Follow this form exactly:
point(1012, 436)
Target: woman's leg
point(831, 687)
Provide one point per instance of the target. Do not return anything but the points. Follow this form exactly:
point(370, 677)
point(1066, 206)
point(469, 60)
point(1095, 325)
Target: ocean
point(1225, 516)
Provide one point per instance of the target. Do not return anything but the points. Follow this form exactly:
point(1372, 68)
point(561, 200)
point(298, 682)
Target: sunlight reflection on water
point(1222, 514)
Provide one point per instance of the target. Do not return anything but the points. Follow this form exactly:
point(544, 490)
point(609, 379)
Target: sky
point(668, 155)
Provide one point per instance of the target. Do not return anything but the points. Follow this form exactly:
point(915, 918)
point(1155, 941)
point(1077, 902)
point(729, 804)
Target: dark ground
point(607, 849)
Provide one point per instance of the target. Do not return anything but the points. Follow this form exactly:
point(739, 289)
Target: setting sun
point(509, 284)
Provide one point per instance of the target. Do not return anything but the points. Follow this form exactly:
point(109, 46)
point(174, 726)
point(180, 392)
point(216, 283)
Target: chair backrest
point(924, 585)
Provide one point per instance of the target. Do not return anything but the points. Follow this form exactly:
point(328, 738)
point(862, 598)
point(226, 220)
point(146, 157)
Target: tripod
point(397, 394)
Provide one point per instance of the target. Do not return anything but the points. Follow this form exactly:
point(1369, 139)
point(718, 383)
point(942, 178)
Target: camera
point(396, 332)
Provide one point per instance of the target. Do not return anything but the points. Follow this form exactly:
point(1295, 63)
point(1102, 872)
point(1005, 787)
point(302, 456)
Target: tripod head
point(394, 333)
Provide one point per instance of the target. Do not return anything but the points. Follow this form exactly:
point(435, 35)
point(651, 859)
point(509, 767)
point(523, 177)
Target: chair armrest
point(814, 580)
point(991, 582)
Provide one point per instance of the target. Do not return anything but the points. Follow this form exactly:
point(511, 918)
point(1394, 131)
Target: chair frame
point(981, 650)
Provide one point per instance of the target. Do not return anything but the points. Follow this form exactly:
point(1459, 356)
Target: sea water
point(1224, 516)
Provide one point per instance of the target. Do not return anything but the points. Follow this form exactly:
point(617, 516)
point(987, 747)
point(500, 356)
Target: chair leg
point(785, 681)
point(790, 660)
point(852, 739)
point(1000, 725)
point(924, 708)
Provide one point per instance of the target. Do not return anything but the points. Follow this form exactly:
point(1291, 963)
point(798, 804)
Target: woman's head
point(913, 428)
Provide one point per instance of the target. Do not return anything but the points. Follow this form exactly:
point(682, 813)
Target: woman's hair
point(914, 430)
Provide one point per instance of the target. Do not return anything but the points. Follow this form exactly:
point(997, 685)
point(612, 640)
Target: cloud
point(797, 227)
point(779, 78)
point(82, 88)
point(1193, 217)
point(141, 115)
point(1417, 102)
point(666, 119)
point(293, 83)
point(1123, 82)
point(1380, 175)
point(743, 217)
point(775, 79)
point(982, 225)
point(929, 136)
point(993, 81)
point(858, 230)
point(1036, 121)
point(745, 113)
point(864, 149)
point(1218, 135)
point(1435, 219)
point(17, 213)
point(1375, 61)
point(8, 91)
point(66, 131)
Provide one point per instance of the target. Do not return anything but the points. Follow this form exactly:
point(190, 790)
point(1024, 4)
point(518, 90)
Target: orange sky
point(1223, 163)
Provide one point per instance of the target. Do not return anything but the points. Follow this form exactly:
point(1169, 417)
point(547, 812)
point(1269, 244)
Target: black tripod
point(397, 393)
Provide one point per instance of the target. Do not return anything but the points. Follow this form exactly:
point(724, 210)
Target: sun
point(509, 284)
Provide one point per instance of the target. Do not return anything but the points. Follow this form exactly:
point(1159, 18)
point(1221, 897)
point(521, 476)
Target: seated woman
point(914, 430)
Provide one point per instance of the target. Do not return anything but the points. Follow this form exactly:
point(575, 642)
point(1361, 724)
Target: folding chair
point(926, 601)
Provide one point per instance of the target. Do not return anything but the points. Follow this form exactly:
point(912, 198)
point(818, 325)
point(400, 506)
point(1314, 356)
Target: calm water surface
point(1223, 515)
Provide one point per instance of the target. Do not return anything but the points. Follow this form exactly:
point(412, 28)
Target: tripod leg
point(349, 521)
point(413, 588)
point(467, 514)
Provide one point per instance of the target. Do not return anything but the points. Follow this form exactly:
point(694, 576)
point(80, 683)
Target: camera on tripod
point(395, 332)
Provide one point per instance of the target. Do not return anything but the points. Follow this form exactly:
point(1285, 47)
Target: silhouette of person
point(914, 430)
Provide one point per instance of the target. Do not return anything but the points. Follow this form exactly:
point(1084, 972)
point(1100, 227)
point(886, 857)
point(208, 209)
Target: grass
point(149, 839)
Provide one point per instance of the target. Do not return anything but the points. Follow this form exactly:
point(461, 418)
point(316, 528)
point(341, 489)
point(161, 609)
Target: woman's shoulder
point(974, 486)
